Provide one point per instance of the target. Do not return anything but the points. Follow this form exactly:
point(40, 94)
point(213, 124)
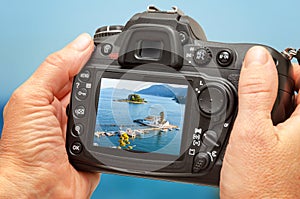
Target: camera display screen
point(138, 116)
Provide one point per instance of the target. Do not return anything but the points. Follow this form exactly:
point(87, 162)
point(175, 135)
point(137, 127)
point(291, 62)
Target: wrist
point(9, 187)
point(18, 182)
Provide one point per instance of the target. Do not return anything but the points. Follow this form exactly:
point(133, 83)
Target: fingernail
point(82, 42)
point(256, 55)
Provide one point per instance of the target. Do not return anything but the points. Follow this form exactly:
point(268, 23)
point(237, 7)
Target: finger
point(258, 83)
point(65, 90)
point(296, 76)
point(290, 129)
point(60, 67)
point(257, 93)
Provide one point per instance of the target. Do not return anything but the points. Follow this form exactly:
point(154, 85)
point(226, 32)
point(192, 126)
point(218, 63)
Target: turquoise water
point(114, 115)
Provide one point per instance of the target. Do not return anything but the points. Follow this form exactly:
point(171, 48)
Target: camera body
point(156, 99)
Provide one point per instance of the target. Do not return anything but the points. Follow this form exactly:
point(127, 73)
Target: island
point(134, 99)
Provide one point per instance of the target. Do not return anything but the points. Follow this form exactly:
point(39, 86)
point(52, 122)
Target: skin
point(261, 161)
point(34, 162)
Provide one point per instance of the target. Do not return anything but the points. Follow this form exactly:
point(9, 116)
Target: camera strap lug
point(291, 53)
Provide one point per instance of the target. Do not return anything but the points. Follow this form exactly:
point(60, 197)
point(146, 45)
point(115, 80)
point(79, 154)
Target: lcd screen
point(145, 117)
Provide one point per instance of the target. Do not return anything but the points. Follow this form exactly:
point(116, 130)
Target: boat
point(109, 134)
point(99, 134)
point(154, 121)
point(130, 133)
point(163, 130)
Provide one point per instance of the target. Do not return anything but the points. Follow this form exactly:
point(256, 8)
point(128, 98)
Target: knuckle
point(56, 59)
point(16, 96)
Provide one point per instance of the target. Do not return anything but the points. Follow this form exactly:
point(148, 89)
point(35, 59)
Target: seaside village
point(148, 124)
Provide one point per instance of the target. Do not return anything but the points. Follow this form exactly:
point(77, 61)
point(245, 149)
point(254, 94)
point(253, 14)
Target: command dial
point(105, 31)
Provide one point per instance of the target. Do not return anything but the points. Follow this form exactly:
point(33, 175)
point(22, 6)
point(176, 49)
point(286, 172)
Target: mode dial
point(202, 56)
point(106, 31)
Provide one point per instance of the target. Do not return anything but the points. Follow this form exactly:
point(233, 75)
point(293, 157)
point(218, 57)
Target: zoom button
point(77, 130)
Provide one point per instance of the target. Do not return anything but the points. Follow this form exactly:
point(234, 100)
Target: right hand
point(262, 160)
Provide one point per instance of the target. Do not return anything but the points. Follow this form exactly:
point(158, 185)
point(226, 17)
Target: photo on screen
point(138, 116)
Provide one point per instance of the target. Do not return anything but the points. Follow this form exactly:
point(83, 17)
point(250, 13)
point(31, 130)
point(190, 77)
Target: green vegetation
point(133, 98)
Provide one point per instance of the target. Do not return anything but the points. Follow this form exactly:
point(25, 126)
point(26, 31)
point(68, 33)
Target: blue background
point(30, 30)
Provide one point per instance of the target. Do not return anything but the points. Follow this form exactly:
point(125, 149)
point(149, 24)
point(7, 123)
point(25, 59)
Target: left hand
point(34, 161)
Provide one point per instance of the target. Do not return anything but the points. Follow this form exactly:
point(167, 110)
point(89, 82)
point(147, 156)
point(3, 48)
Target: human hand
point(34, 161)
point(262, 160)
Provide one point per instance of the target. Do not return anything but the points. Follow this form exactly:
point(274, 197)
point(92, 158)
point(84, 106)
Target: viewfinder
point(149, 50)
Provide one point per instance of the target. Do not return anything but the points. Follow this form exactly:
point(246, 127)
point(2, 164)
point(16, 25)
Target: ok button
point(76, 148)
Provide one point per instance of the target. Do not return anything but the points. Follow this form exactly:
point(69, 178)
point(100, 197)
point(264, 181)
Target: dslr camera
point(157, 100)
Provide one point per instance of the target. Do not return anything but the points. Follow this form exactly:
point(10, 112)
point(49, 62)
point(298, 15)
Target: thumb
point(55, 74)
point(258, 84)
point(258, 87)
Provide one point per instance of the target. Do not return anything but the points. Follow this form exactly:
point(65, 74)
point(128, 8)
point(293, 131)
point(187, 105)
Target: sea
point(113, 116)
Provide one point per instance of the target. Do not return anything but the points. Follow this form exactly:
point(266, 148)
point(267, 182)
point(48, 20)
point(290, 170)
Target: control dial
point(106, 31)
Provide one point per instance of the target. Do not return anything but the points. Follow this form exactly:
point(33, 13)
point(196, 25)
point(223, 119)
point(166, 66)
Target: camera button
point(82, 93)
point(76, 148)
point(77, 130)
point(201, 162)
point(106, 49)
point(224, 58)
point(85, 75)
point(202, 56)
point(210, 138)
point(80, 111)
point(183, 37)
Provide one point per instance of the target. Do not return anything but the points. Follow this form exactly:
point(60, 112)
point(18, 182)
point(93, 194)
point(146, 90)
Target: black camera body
point(157, 100)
